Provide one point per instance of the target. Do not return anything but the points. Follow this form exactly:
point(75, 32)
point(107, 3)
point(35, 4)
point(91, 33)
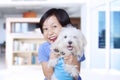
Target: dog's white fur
point(69, 41)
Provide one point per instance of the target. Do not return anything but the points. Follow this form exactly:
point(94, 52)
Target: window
point(101, 24)
point(115, 29)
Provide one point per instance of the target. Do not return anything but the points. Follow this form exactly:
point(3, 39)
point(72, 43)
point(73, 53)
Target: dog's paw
point(72, 70)
point(53, 77)
point(52, 62)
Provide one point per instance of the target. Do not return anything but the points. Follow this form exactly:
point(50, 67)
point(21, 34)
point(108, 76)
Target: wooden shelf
point(27, 35)
point(22, 47)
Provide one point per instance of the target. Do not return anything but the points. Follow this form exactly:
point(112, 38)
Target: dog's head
point(70, 40)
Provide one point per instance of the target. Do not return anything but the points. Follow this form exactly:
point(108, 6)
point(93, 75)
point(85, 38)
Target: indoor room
point(20, 37)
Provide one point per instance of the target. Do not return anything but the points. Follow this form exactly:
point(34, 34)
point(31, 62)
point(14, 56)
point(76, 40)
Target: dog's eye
point(65, 36)
point(74, 36)
point(56, 50)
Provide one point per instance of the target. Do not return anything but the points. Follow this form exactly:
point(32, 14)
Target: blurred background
point(99, 20)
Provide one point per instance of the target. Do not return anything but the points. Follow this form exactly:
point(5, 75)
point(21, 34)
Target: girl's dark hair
point(60, 14)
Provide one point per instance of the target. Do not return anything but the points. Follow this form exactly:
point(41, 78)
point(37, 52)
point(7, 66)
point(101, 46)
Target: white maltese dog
point(70, 41)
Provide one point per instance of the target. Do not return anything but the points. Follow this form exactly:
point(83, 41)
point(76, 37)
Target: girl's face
point(51, 29)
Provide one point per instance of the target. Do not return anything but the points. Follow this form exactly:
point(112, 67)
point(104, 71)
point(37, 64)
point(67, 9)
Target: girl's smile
point(51, 29)
point(52, 39)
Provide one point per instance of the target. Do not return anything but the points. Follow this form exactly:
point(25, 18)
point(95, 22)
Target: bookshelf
point(23, 38)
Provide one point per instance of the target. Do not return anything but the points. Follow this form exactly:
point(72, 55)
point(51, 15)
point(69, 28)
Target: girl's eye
point(55, 26)
point(45, 29)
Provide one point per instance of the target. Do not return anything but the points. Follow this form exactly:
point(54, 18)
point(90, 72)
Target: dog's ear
point(82, 38)
point(82, 42)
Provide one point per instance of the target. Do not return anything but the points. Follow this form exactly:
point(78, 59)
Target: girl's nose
point(50, 31)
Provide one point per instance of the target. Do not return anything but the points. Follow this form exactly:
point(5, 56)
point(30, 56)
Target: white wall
point(95, 63)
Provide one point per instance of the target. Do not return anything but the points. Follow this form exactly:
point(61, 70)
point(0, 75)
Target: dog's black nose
point(70, 42)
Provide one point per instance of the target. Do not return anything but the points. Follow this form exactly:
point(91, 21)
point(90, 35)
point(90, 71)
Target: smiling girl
point(50, 25)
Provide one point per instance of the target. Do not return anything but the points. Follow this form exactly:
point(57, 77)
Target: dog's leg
point(53, 77)
point(72, 70)
point(52, 62)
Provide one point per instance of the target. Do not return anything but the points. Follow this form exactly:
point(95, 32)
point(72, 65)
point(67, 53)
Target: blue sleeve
point(79, 78)
point(82, 58)
point(42, 55)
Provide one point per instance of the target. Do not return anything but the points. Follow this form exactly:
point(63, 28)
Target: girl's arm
point(48, 71)
point(72, 60)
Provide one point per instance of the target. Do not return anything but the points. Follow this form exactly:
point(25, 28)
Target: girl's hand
point(70, 59)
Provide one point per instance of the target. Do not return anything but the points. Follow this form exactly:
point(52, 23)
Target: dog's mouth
point(70, 48)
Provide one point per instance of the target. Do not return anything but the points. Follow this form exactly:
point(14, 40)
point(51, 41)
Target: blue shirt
point(43, 56)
